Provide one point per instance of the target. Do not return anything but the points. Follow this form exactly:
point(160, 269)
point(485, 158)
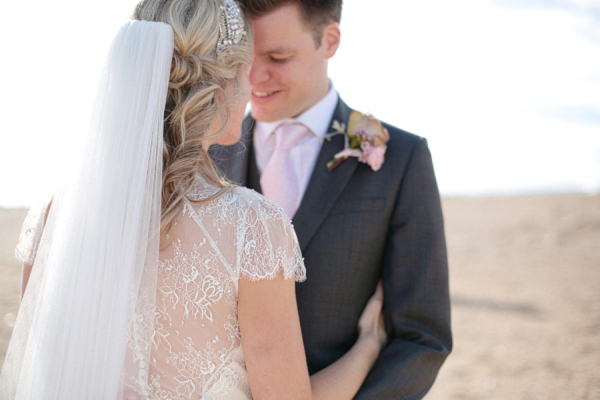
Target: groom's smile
point(260, 101)
point(258, 96)
point(262, 94)
point(289, 71)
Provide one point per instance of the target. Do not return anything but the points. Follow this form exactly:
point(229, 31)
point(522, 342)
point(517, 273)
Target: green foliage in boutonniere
point(365, 139)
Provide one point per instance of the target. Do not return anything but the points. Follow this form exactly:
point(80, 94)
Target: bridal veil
point(99, 249)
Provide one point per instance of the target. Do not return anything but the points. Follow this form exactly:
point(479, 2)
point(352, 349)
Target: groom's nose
point(258, 73)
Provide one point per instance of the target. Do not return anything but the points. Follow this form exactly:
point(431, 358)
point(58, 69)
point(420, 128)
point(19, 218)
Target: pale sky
point(505, 91)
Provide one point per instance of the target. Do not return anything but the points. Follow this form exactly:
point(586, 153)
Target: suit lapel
point(324, 187)
point(253, 176)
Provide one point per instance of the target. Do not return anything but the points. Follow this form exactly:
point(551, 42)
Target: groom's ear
point(331, 39)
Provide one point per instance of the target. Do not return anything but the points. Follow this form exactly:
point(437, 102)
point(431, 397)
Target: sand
point(525, 286)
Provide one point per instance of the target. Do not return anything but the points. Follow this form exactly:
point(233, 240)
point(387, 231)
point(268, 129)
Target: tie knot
point(289, 134)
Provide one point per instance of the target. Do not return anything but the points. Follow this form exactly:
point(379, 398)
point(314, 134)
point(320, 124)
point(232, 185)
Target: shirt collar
point(316, 118)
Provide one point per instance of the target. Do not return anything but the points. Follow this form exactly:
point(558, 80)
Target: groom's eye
point(279, 59)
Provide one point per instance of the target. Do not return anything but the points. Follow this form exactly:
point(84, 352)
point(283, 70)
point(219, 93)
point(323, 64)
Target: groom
point(355, 225)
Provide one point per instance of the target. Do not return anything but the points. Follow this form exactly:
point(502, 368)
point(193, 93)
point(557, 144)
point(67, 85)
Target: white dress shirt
point(304, 154)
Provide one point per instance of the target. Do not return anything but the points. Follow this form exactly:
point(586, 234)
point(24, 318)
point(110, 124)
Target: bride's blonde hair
point(199, 92)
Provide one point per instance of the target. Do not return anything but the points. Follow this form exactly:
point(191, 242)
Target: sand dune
point(525, 285)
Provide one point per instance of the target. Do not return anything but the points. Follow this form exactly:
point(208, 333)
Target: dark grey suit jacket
point(356, 226)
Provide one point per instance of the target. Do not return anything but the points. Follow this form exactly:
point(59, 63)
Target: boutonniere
point(365, 139)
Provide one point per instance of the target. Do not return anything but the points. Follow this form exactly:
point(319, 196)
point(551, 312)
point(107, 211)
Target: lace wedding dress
point(196, 351)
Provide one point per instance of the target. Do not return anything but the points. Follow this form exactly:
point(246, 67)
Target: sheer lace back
point(196, 349)
point(195, 344)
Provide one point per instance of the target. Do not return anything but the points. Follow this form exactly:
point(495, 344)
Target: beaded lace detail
point(195, 342)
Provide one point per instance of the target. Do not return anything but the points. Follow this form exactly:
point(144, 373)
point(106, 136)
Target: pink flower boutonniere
point(365, 139)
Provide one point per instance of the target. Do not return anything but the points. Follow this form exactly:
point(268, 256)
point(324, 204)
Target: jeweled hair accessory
point(231, 25)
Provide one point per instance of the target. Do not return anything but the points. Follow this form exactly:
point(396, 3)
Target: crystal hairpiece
point(231, 25)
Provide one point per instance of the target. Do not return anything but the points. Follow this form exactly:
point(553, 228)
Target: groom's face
point(289, 71)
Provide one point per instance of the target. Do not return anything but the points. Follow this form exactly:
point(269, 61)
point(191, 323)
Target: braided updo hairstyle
point(201, 86)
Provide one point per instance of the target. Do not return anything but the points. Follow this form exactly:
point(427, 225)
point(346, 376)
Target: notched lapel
point(324, 187)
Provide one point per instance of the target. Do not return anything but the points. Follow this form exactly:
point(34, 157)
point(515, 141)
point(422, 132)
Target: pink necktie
point(279, 181)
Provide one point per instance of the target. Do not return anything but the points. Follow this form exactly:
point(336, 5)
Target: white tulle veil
point(79, 325)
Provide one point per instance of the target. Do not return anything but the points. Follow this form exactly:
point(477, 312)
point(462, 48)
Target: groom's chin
point(262, 114)
point(271, 112)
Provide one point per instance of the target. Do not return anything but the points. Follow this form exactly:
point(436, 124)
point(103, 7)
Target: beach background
point(525, 290)
point(506, 93)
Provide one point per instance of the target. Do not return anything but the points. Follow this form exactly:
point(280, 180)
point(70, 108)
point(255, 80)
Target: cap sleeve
point(31, 233)
point(269, 244)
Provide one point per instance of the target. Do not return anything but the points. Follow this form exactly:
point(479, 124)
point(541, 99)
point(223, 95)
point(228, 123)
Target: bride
point(151, 277)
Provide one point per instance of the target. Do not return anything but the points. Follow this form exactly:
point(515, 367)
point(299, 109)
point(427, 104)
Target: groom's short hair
point(316, 13)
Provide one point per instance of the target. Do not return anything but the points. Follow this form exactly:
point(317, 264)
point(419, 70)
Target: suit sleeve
point(416, 293)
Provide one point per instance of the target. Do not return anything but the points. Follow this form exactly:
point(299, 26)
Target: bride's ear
point(331, 39)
